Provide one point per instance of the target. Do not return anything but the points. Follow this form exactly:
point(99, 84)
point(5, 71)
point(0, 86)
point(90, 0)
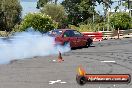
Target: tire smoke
point(27, 45)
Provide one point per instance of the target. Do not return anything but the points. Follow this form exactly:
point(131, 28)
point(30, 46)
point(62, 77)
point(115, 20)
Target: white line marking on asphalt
point(108, 61)
point(114, 85)
point(57, 81)
point(62, 82)
point(54, 60)
point(52, 82)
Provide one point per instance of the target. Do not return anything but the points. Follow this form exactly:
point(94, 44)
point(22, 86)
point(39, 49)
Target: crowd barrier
point(104, 35)
point(97, 36)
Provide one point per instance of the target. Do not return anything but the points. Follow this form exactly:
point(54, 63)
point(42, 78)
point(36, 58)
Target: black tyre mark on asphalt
point(130, 57)
point(129, 60)
point(130, 84)
point(123, 66)
point(95, 53)
point(78, 56)
point(124, 60)
point(85, 57)
point(128, 53)
point(120, 64)
point(111, 68)
point(90, 52)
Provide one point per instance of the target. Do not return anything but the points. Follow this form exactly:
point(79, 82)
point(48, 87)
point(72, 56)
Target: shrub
point(83, 28)
point(56, 12)
point(86, 28)
point(120, 20)
point(38, 21)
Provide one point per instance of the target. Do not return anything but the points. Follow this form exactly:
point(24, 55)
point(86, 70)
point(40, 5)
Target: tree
point(42, 3)
point(131, 23)
point(106, 5)
point(56, 1)
point(56, 12)
point(10, 14)
point(120, 20)
point(78, 10)
point(97, 19)
point(126, 4)
point(81, 10)
point(38, 21)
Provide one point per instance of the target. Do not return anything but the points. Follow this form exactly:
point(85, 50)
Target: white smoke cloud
point(27, 45)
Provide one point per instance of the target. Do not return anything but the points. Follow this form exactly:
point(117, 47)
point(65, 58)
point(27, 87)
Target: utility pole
point(128, 4)
point(108, 27)
point(93, 12)
point(93, 18)
point(4, 14)
point(129, 7)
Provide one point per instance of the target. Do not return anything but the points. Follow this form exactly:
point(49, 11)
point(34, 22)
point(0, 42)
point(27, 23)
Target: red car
point(75, 38)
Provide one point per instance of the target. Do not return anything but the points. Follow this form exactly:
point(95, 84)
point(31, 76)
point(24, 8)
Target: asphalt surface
point(41, 72)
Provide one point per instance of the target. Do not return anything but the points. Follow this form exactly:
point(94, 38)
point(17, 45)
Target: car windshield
point(77, 34)
point(55, 33)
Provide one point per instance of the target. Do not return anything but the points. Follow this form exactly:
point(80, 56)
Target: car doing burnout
point(73, 37)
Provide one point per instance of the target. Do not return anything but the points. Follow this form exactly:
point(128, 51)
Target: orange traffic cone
point(60, 59)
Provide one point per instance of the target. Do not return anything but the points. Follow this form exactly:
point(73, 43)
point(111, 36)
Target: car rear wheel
point(87, 44)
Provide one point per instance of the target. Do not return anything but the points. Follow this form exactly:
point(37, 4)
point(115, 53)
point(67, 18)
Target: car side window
point(77, 34)
point(69, 33)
